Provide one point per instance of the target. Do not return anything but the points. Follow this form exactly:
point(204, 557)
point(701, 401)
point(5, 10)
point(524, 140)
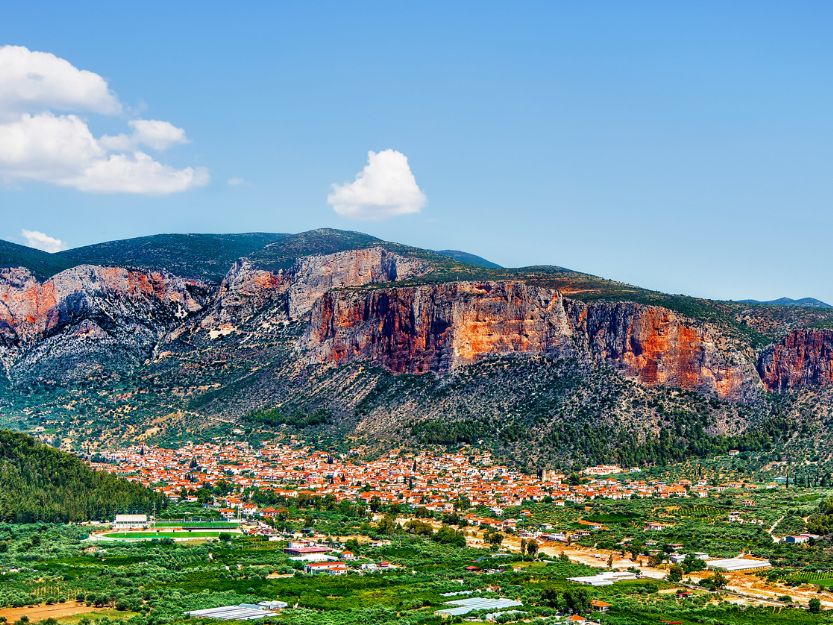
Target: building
point(603, 579)
point(308, 553)
point(242, 612)
point(601, 606)
point(460, 607)
point(799, 539)
point(130, 522)
point(327, 568)
point(737, 564)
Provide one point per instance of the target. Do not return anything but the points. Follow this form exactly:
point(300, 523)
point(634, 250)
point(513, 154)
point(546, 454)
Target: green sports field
point(217, 525)
point(151, 535)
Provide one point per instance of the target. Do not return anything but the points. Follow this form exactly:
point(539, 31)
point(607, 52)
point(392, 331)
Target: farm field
point(153, 582)
point(58, 611)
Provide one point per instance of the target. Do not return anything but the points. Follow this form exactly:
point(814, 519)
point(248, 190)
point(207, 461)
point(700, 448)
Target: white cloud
point(39, 81)
point(384, 188)
point(42, 241)
point(61, 150)
point(38, 144)
point(136, 173)
point(153, 133)
point(236, 181)
point(46, 147)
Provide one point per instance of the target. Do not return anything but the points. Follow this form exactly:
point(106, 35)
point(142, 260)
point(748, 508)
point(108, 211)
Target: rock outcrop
point(660, 347)
point(803, 358)
point(437, 328)
point(90, 302)
point(246, 289)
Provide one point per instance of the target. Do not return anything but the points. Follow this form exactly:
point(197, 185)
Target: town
point(438, 481)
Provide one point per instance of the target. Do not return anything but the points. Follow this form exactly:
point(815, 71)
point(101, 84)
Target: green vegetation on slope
point(39, 263)
point(281, 254)
point(205, 256)
point(469, 259)
point(40, 483)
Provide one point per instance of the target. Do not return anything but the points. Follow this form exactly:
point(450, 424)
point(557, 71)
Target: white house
point(130, 522)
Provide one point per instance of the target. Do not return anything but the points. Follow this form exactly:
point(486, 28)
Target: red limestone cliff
point(802, 358)
point(438, 328)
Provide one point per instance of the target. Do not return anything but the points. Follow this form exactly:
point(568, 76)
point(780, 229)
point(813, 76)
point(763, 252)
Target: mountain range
point(805, 302)
point(340, 336)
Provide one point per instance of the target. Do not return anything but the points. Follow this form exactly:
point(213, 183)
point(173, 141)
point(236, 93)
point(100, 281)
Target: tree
point(43, 484)
point(449, 536)
point(532, 548)
point(387, 525)
point(576, 600)
point(719, 580)
point(352, 545)
point(549, 597)
point(675, 573)
point(463, 502)
point(691, 564)
point(814, 605)
point(495, 539)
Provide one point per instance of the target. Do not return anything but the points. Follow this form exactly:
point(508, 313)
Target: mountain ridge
point(805, 302)
point(389, 344)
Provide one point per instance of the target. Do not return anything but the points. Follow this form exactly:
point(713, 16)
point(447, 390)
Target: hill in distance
point(469, 259)
point(39, 263)
point(40, 483)
point(804, 302)
point(204, 256)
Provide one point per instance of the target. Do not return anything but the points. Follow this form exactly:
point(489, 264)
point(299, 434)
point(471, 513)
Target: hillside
point(204, 256)
point(804, 302)
point(40, 263)
point(40, 483)
point(469, 259)
point(342, 335)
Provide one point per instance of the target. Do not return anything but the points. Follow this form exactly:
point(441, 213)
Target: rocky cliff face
point(90, 303)
point(804, 358)
point(441, 327)
point(659, 347)
point(246, 289)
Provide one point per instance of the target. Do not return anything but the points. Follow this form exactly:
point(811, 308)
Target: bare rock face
point(803, 358)
point(659, 347)
point(315, 275)
point(246, 290)
point(437, 327)
point(440, 327)
point(243, 292)
point(88, 302)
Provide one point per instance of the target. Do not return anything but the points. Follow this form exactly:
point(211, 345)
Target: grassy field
point(824, 579)
point(198, 524)
point(171, 534)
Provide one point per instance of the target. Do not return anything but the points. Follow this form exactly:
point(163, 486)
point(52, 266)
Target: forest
point(44, 484)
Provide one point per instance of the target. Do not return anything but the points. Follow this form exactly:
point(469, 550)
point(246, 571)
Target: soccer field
point(151, 535)
point(200, 524)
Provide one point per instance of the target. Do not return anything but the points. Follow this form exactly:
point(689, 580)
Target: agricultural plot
point(157, 582)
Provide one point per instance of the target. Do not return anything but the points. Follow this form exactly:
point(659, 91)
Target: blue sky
point(682, 147)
